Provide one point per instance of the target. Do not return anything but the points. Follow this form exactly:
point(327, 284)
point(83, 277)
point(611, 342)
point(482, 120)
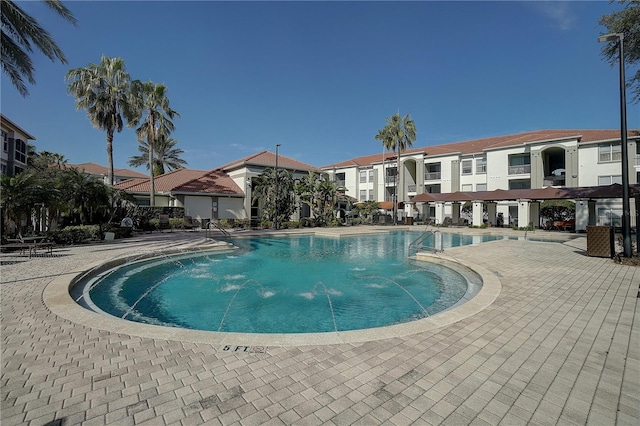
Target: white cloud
point(560, 12)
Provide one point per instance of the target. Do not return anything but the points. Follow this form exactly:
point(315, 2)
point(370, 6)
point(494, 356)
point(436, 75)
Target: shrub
point(75, 234)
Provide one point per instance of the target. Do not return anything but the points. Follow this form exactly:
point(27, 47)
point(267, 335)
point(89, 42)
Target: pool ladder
point(214, 225)
point(419, 243)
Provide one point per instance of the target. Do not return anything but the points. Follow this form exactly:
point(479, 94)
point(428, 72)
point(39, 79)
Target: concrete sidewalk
point(559, 345)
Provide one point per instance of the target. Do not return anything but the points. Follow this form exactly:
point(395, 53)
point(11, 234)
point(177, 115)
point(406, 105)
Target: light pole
point(626, 213)
point(277, 188)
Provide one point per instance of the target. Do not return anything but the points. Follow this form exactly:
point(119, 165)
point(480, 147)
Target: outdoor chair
point(163, 222)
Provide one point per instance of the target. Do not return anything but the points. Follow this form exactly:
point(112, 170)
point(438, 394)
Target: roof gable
point(268, 159)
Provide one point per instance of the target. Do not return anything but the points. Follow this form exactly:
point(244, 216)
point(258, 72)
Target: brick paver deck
point(559, 345)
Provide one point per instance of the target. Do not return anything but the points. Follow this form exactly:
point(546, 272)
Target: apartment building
point(531, 160)
point(15, 145)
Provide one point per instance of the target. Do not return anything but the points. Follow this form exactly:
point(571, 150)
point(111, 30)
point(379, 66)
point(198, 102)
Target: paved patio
point(558, 344)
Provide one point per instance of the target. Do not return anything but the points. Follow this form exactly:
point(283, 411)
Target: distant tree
point(320, 193)
point(166, 156)
point(275, 196)
point(627, 22)
point(20, 32)
point(18, 195)
point(84, 194)
point(151, 106)
point(103, 90)
point(399, 134)
point(367, 208)
point(44, 160)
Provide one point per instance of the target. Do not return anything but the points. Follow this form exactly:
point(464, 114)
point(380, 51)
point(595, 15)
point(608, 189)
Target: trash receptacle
point(600, 241)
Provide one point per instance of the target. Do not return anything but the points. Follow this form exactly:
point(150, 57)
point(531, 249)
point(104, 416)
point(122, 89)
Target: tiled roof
point(268, 159)
point(480, 145)
point(213, 182)
point(97, 169)
point(163, 183)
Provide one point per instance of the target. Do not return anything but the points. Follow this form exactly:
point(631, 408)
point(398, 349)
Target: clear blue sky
point(319, 78)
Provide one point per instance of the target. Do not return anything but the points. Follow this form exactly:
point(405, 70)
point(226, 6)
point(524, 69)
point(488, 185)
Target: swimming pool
point(301, 284)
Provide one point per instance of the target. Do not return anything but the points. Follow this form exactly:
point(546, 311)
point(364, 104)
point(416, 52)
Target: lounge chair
point(163, 222)
point(188, 222)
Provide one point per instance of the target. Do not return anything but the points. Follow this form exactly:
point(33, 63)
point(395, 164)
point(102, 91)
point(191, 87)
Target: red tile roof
point(163, 183)
point(268, 159)
point(480, 145)
point(213, 182)
point(97, 169)
point(186, 181)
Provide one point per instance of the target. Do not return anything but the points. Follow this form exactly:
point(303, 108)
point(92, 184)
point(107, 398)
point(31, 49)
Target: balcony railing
point(341, 182)
point(411, 188)
point(432, 175)
point(520, 170)
point(637, 159)
point(390, 179)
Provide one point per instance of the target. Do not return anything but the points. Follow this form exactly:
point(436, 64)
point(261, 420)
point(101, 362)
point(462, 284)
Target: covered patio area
point(528, 203)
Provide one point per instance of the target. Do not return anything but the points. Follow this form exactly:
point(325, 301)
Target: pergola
point(528, 202)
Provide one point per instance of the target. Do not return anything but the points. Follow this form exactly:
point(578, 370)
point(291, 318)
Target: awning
point(388, 205)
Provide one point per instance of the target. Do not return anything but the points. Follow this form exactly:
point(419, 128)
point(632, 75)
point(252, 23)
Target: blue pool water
point(285, 285)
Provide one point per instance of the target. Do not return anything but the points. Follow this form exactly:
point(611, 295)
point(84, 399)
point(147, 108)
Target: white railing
point(520, 170)
point(432, 175)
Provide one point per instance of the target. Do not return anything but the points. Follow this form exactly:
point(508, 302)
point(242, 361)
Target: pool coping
point(58, 299)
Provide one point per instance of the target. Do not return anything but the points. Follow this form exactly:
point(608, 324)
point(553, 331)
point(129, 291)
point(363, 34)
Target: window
point(519, 164)
point(432, 189)
point(3, 169)
point(609, 217)
point(608, 152)
point(5, 141)
point(363, 195)
point(340, 179)
point(371, 194)
point(21, 151)
point(481, 165)
point(432, 171)
point(467, 167)
point(520, 184)
point(363, 176)
point(609, 180)
point(371, 173)
point(481, 187)
point(467, 188)
point(17, 170)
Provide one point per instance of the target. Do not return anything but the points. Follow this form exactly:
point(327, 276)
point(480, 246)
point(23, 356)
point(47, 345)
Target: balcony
point(341, 183)
point(520, 170)
point(432, 175)
point(637, 163)
point(390, 180)
point(411, 188)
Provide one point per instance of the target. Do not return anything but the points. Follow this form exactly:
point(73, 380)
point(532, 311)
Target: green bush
point(75, 234)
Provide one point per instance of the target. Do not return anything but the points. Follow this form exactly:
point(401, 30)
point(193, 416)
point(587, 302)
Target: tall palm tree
point(398, 134)
point(20, 32)
point(152, 108)
point(166, 156)
point(103, 90)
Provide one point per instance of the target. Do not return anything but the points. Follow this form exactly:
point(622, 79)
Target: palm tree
point(152, 107)
point(276, 200)
point(319, 192)
point(103, 90)
point(166, 156)
point(19, 32)
point(19, 194)
point(83, 193)
point(399, 134)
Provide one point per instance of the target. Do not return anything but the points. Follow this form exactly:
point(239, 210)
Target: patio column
point(439, 212)
point(524, 213)
point(582, 215)
point(492, 212)
point(535, 213)
point(455, 212)
point(477, 213)
point(593, 214)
